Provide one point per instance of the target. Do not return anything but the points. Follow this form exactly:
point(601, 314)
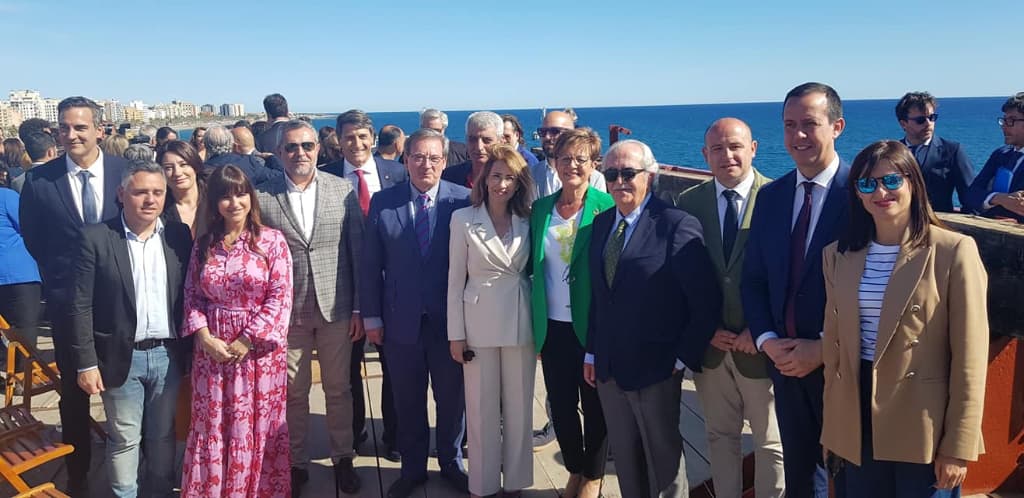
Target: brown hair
point(585, 137)
point(518, 127)
point(519, 204)
point(860, 230)
point(188, 153)
point(224, 182)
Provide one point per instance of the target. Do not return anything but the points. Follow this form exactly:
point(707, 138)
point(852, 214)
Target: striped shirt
point(877, 269)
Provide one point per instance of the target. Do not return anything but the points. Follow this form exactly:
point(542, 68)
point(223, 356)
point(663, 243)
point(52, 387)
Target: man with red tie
point(369, 174)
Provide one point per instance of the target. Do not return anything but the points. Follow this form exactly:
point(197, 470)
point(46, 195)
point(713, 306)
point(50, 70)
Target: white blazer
point(488, 289)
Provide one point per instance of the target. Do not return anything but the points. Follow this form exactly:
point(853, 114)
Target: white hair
point(482, 120)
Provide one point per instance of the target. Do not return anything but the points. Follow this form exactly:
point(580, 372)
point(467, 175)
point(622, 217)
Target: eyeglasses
point(628, 174)
point(921, 119)
point(1009, 122)
point(553, 131)
point(293, 147)
point(891, 182)
point(420, 158)
point(567, 160)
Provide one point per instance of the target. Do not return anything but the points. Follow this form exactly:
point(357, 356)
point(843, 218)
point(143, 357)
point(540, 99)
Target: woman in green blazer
point(560, 228)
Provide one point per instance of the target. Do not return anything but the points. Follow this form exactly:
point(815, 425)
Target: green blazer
point(701, 201)
point(579, 274)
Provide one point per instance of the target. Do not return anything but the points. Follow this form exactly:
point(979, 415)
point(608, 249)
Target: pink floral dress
point(238, 438)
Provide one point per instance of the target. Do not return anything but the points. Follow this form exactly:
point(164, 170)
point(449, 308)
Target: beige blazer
point(488, 289)
point(930, 359)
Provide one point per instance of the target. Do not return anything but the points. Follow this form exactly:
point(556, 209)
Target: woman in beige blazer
point(905, 339)
point(489, 315)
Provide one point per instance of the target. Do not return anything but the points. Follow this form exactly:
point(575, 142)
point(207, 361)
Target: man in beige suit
point(734, 383)
point(319, 215)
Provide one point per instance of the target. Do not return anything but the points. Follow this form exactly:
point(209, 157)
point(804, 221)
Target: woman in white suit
point(489, 315)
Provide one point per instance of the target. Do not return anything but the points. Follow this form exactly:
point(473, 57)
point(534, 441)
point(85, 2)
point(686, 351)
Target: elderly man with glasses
point(544, 176)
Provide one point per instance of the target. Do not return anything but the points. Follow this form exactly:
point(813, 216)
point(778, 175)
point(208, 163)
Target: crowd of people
point(830, 308)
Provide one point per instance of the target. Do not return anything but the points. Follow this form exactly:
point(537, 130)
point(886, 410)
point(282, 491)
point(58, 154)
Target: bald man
point(733, 384)
point(544, 176)
point(245, 144)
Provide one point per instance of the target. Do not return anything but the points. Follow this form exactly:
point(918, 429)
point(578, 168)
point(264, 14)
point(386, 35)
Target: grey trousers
point(643, 431)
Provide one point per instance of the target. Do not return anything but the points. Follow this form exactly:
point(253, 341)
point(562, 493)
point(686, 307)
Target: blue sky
point(404, 55)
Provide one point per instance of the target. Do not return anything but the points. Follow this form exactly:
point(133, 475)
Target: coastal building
point(207, 109)
point(113, 111)
point(133, 115)
point(49, 110)
point(28, 103)
point(232, 110)
point(9, 116)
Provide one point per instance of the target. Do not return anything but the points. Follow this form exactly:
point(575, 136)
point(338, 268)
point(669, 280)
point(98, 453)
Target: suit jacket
point(702, 202)
point(324, 267)
point(390, 172)
point(1003, 157)
point(458, 173)
point(663, 304)
point(766, 264)
point(458, 153)
point(397, 283)
point(488, 288)
point(258, 173)
point(50, 221)
point(930, 358)
point(946, 168)
point(595, 202)
point(268, 140)
point(103, 313)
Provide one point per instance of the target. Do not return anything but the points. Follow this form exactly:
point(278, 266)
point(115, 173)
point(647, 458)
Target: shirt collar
point(925, 143)
point(824, 179)
point(431, 194)
point(632, 217)
point(369, 167)
point(742, 189)
point(73, 168)
point(294, 188)
point(159, 230)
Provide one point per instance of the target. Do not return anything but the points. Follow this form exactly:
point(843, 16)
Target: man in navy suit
point(403, 292)
point(220, 151)
point(783, 289)
point(944, 163)
point(998, 191)
point(656, 304)
point(369, 174)
point(58, 198)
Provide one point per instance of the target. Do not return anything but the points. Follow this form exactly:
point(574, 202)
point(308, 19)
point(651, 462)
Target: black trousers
point(584, 448)
point(20, 305)
point(387, 400)
point(74, 402)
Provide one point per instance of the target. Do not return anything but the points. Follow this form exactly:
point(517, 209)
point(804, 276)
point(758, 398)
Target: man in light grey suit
point(544, 177)
point(319, 215)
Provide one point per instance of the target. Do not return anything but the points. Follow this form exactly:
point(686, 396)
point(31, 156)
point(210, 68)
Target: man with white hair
point(148, 131)
point(220, 145)
point(483, 129)
point(436, 120)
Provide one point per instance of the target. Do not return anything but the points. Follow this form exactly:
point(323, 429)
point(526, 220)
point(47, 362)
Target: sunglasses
point(293, 147)
point(1009, 122)
point(892, 181)
point(627, 174)
point(921, 119)
point(553, 131)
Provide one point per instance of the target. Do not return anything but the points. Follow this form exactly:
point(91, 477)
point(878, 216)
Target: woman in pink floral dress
point(238, 297)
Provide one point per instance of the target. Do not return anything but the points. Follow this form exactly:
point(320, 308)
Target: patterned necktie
point(613, 251)
point(364, 192)
point(89, 212)
point(797, 248)
point(730, 223)
point(422, 223)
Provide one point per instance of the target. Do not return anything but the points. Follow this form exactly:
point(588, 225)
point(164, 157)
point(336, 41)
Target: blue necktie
point(422, 223)
point(90, 214)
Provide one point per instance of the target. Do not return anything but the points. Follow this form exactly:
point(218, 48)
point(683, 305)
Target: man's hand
point(723, 340)
point(376, 336)
point(744, 343)
point(589, 374)
point(457, 348)
point(777, 348)
point(355, 327)
point(949, 472)
point(802, 359)
point(1013, 202)
point(91, 382)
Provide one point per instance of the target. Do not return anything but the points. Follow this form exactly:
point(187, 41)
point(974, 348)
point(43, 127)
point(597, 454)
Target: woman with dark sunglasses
point(906, 338)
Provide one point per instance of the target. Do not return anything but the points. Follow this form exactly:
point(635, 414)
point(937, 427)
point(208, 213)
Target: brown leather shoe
point(572, 488)
point(591, 488)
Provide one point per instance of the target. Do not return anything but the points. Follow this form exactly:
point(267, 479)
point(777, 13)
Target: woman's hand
point(213, 347)
point(457, 348)
point(949, 472)
point(239, 349)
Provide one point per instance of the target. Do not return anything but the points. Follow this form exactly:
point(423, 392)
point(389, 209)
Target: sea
point(676, 132)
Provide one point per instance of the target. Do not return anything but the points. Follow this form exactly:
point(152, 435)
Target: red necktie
point(364, 192)
point(797, 247)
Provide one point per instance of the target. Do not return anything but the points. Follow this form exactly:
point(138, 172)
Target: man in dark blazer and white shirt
point(655, 307)
point(319, 216)
point(58, 198)
point(126, 312)
point(783, 289)
point(368, 174)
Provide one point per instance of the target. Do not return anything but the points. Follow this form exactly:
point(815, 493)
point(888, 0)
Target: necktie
point(920, 152)
point(729, 227)
point(797, 247)
point(422, 223)
point(613, 251)
point(364, 192)
point(90, 214)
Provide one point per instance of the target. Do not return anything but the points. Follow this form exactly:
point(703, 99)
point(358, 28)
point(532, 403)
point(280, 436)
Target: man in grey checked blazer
point(320, 217)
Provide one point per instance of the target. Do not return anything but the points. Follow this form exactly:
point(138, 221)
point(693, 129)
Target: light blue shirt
point(149, 274)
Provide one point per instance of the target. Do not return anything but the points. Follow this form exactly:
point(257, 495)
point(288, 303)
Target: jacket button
point(839, 375)
point(728, 280)
point(910, 375)
point(835, 311)
point(914, 342)
point(837, 344)
point(915, 308)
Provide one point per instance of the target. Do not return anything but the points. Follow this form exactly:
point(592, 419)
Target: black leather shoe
point(456, 478)
point(403, 488)
point(299, 478)
point(345, 477)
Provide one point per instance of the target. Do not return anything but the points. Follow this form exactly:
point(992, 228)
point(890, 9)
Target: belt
point(147, 344)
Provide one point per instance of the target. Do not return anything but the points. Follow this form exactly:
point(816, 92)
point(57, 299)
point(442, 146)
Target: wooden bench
point(43, 491)
point(25, 444)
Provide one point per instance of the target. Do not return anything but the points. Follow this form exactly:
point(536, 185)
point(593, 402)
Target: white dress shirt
point(370, 175)
point(303, 204)
point(821, 182)
point(742, 194)
point(96, 168)
point(149, 274)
